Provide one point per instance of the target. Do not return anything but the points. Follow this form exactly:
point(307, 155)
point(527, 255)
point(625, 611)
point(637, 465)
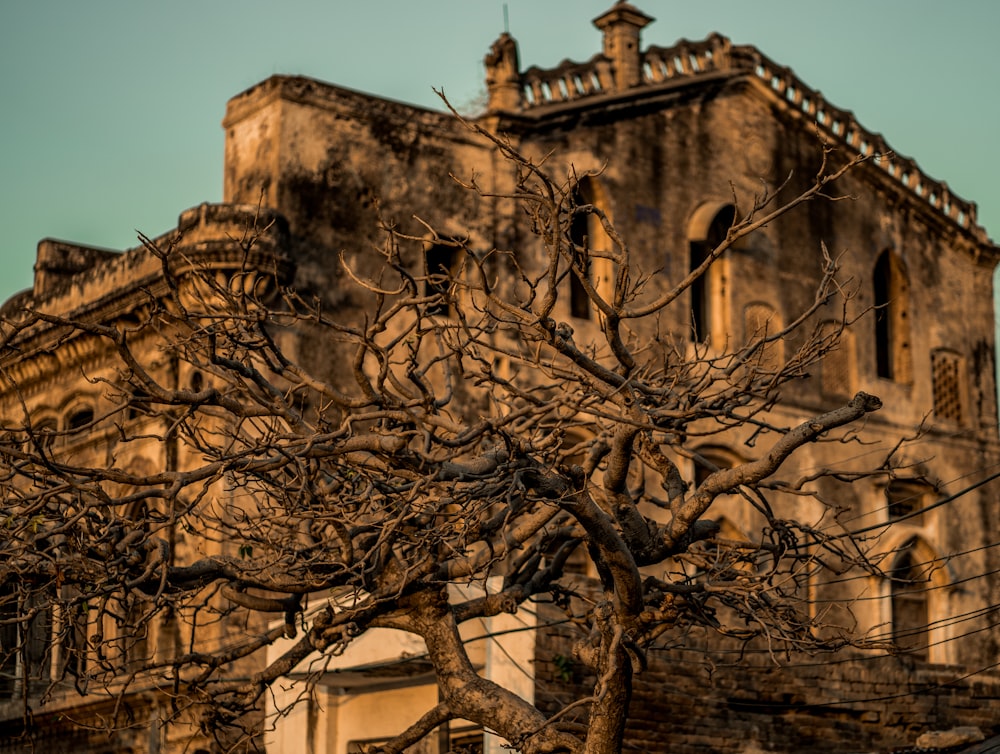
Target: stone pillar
point(503, 76)
point(621, 26)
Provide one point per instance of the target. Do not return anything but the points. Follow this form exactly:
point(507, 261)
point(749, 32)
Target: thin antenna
point(506, 20)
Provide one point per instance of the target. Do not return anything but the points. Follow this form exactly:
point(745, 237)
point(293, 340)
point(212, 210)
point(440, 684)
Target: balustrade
point(569, 82)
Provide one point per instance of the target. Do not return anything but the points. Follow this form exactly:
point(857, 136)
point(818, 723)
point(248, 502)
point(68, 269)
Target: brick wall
point(705, 697)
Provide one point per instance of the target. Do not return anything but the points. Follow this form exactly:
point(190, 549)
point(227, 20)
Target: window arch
point(79, 417)
point(915, 598)
point(708, 228)
point(710, 458)
point(587, 232)
point(41, 431)
point(892, 324)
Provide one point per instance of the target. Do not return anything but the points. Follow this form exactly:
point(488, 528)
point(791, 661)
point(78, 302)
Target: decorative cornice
point(583, 84)
point(214, 239)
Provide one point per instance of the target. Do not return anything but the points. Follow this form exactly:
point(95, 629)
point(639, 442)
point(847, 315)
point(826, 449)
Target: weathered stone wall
point(333, 164)
point(338, 164)
point(709, 144)
point(707, 695)
point(700, 146)
point(60, 378)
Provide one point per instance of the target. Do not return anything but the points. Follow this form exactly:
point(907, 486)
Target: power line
point(927, 508)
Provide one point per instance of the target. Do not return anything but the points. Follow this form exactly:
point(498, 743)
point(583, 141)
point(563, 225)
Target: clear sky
point(110, 110)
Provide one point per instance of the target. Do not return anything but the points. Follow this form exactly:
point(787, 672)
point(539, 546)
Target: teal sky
point(110, 110)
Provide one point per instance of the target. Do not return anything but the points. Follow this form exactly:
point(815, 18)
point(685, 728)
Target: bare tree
point(461, 434)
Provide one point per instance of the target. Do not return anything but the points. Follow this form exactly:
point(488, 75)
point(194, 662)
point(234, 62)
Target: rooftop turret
point(621, 27)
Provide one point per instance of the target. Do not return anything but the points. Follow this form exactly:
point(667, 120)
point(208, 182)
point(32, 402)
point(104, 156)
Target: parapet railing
point(566, 82)
point(842, 125)
point(685, 59)
point(571, 81)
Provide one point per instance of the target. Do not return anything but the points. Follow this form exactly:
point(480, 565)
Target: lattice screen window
point(946, 380)
point(762, 321)
point(837, 369)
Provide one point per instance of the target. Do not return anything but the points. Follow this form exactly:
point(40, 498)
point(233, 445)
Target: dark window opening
point(910, 613)
point(24, 646)
point(891, 289)
point(466, 742)
point(700, 250)
point(883, 332)
point(73, 635)
point(579, 300)
point(904, 499)
point(8, 645)
point(711, 459)
point(138, 403)
point(441, 263)
point(80, 418)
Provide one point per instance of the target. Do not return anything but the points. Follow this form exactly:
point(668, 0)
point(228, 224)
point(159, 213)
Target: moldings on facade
point(669, 134)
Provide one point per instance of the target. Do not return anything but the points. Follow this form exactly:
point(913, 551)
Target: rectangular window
point(442, 265)
point(905, 499)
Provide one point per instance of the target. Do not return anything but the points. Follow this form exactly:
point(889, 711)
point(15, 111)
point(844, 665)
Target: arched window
point(911, 614)
point(892, 323)
point(590, 240)
point(709, 228)
point(43, 430)
point(79, 418)
point(710, 458)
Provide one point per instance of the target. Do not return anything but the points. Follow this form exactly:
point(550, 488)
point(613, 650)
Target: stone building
point(672, 135)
